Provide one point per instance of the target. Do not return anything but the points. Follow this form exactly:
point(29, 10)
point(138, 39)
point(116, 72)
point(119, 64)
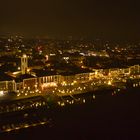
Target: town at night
point(69, 70)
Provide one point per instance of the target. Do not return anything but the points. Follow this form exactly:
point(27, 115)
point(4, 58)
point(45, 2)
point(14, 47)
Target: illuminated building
point(83, 77)
point(135, 69)
point(7, 86)
point(24, 64)
point(66, 82)
point(30, 84)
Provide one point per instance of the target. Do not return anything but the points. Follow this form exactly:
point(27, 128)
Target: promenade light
point(109, 83)
point(1, 93)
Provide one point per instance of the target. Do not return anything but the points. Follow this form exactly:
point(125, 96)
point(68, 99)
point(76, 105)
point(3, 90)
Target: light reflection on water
point(12, 126)
point(38, 117)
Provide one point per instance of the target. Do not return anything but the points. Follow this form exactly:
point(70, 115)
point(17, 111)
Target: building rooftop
point(20, 78)
point(75, 71)
point(5, 77)
point(41, 73)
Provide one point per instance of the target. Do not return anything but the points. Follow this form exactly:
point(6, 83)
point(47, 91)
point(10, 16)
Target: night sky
point(62, 18)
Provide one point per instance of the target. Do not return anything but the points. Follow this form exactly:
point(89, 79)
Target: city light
point(109, 83)
point(75, 74)
point(51, 84)
point(24, 55)
point(18, 68)
point(1, 93)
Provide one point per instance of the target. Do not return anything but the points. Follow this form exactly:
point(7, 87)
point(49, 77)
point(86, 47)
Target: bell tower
point(24, 63)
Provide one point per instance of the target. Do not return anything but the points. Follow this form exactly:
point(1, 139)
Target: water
point(108, 117)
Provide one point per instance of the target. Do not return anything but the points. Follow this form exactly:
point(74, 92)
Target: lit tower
point(24, 64)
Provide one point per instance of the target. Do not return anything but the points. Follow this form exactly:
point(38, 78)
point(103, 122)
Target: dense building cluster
point(41, 80)
point(42, 65)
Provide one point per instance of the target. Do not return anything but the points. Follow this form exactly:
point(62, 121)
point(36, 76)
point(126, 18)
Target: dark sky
point(62, 18)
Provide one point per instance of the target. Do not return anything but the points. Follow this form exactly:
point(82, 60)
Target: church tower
point(24, 63)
